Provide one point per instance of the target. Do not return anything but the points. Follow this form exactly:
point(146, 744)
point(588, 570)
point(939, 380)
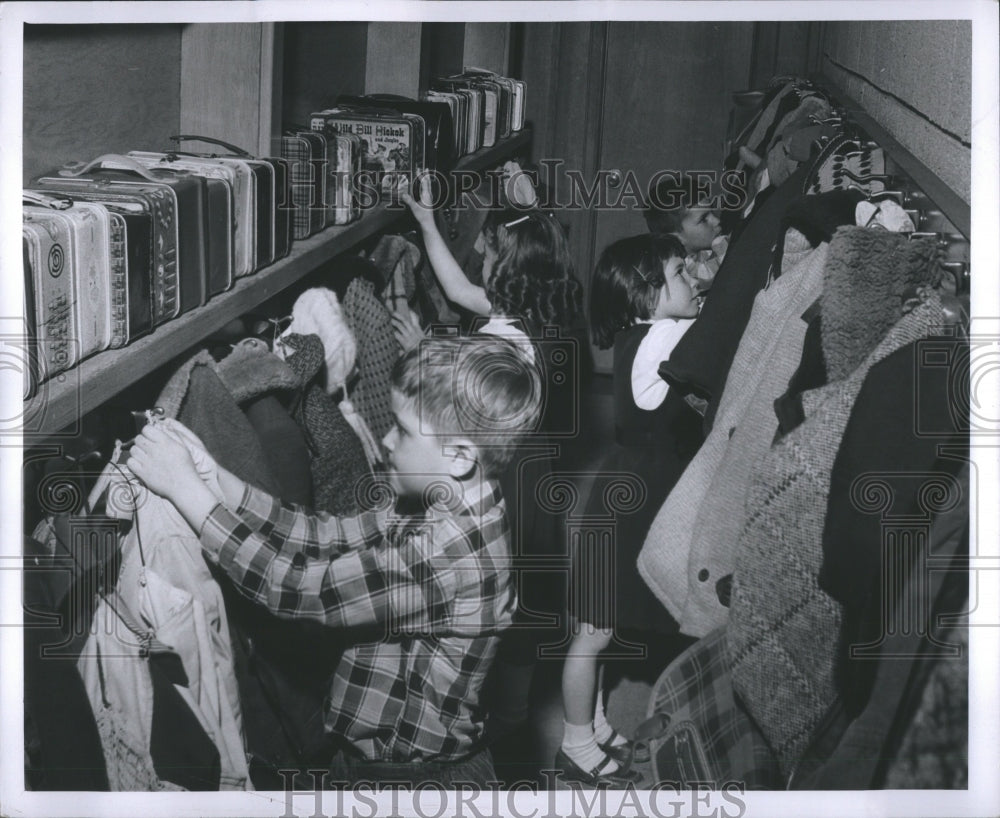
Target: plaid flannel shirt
point(429, 596)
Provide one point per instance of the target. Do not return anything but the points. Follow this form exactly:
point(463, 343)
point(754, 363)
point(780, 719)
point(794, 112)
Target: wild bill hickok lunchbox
point(392, 143)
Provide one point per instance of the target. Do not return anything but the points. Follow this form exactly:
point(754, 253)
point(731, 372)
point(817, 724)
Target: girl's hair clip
point(644, 276)
point(517, 221)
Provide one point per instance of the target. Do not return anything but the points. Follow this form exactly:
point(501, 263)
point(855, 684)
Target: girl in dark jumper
point(642, 301)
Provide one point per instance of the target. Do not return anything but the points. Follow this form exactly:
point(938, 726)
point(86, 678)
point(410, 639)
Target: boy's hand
point(406, 327)
point(161, 460)
point(163, 463)
point(204, 463)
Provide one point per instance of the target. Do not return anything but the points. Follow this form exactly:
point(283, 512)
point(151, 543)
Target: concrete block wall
point(915, 78)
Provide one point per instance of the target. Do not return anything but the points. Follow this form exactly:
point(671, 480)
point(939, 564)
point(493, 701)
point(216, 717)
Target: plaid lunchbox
point(306, 154)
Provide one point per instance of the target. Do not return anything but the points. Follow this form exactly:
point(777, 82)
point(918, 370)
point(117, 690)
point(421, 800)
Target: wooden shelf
point(68, 396)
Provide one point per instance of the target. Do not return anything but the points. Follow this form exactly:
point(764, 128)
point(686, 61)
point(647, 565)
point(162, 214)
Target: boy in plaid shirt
point(426, 594)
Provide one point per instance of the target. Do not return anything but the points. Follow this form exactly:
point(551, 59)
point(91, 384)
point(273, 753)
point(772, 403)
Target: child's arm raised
point(457, 288)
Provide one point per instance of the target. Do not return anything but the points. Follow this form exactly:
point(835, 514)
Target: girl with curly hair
point(528, 275)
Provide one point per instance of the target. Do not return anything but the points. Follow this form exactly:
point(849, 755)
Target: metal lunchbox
point(306, 154)
point(158, 206)
point(187, 213)
point(392, 143)
point(83, 233)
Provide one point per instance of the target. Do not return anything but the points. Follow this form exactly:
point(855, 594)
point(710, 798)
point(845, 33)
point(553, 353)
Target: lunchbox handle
point(389, 97)
point(211, 141)
point(56, 201)
point(364, 109)
point(110, 161)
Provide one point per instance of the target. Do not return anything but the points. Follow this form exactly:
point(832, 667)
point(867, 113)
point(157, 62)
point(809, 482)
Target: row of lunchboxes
point(485, 106)
point(395, 135)
point(115, 247)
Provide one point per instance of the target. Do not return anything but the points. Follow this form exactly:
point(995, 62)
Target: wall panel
point(69, 113)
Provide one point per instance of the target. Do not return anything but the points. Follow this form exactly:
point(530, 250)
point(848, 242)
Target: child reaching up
point(528, 275)
point(642, 301)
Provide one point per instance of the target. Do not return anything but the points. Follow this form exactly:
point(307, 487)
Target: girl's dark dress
point(652, 449)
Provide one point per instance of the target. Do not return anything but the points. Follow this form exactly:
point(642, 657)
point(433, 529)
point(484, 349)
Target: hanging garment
point(843, 163)
point(783, 628)
point(378, 350)
point(794, 136)
point(158, 663)
point(62, 744)
point(281, 692)
point(372, 448)
point(794, 148)
point(701, 360)
point(317, 312)
point(911, 729)
point(197, 397)
point(338, 462)
point(397, 260)
point(817, 217)
point(690, 550)
point(782, 99)
point(887, 214)
point(433, 305)
point(904, 451)
point(264, 387)
point(934, 751)
point(285, 448)
point(811, 110)
point(691, 544)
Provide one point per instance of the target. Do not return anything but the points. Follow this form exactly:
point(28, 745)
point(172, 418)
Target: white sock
point(579, 744)
point(602, 730)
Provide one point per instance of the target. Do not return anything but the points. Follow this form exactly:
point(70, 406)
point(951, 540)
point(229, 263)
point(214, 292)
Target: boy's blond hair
point(482, 388)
